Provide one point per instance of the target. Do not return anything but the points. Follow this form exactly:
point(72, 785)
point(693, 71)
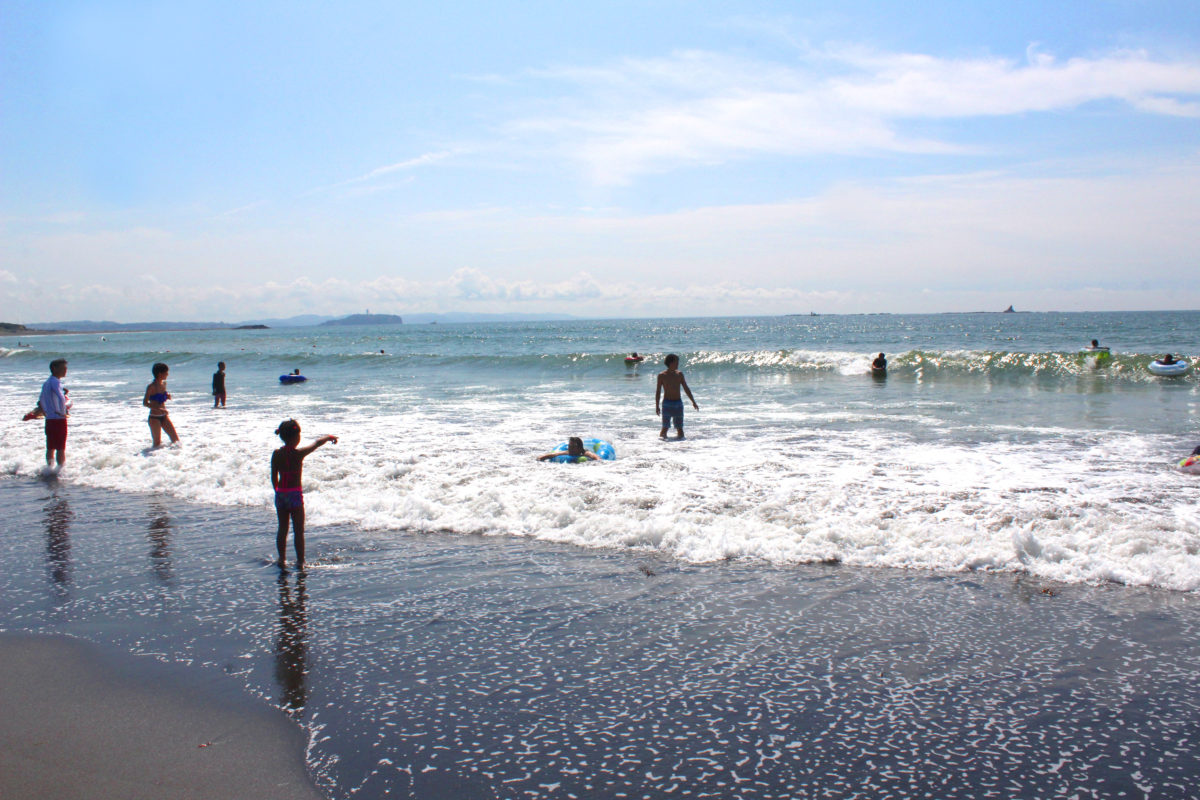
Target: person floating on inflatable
point(575, 453)
point(1169, 366)
point(1096, 354)
point(879, 364)
point(1191, 464)
point(634, 358)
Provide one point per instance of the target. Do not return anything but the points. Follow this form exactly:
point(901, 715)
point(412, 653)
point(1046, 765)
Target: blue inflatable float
point(598, 446)
point(292, 379)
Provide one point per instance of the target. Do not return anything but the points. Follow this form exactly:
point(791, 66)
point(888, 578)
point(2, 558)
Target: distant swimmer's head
point(160, 369)
point(1095, 342)
point(881, 355)
point(672, 361)
point(289, 431)
point(574, 446)
point(1196, 452)
point(58, 367)
point(220, 365)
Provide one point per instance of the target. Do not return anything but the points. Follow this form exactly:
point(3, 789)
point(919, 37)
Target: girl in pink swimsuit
point(287, 465)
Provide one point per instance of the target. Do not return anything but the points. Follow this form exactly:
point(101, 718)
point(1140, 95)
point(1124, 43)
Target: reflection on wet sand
point(58, 543)
point(291, 649)
point(159, 537)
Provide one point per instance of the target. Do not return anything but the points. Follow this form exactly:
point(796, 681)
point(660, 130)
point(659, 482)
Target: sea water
point(973, 578)
point(992, 444)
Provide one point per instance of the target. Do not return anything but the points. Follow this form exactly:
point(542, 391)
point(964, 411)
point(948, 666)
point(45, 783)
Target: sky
point(228, 161)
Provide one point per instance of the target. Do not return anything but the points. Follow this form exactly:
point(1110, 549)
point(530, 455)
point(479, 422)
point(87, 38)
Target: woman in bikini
point(287, 465)
point(155, 399)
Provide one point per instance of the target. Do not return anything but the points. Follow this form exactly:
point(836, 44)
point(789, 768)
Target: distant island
point(365, 319)
point(298, 321)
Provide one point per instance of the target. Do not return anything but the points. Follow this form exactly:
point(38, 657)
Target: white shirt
point(53, 401)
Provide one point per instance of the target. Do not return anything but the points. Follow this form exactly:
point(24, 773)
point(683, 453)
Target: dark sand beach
point(436, 665)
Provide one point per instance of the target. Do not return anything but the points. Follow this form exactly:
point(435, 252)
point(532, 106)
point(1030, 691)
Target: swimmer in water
point(575, 449)
point(155, 399)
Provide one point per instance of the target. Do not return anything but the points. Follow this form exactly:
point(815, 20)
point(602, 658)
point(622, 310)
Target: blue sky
point(224, 161)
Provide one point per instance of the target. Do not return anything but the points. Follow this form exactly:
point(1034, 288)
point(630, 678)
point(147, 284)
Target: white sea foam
point(802, 482)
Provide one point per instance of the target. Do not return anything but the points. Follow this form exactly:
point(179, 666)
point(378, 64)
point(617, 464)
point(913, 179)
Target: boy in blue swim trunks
point(670, 381)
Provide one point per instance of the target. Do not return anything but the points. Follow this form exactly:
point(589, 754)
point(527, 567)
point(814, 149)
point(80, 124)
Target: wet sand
point(79, 721)
point(431, 665)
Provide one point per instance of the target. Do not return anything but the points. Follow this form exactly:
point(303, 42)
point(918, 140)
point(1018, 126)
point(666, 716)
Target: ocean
point(975, 577)
point(993, 444)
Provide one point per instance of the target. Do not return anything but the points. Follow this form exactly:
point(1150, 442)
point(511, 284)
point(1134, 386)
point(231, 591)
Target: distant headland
point(365, 319)
point(298, 321)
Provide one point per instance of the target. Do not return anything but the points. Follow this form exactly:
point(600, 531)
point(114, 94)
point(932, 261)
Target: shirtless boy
point(670, 381)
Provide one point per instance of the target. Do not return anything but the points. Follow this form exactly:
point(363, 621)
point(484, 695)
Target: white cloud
point(423, 160)
point(647, 115)
point(1100, 236)
point(420, 161)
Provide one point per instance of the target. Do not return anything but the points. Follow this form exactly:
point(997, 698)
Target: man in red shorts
point(54, 405)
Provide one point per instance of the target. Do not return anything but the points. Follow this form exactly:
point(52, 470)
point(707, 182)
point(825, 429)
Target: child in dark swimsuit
point(287, 465)
point(155, 399)
point(575, 450)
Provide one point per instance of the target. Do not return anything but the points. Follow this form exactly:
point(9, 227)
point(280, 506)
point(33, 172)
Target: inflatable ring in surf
point(632, 360)
point(598, 446)
point(1179, 367)
point(1190, 465)
point(292, 379)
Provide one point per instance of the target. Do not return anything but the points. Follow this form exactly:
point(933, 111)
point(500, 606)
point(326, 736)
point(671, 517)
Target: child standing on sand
point(287, 464)
point(670, 381)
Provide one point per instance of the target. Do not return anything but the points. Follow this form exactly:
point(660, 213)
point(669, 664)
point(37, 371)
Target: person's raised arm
point(303, 451)
point(658, 389)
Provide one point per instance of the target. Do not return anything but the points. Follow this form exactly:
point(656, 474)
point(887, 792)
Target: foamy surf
point(960, 460)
